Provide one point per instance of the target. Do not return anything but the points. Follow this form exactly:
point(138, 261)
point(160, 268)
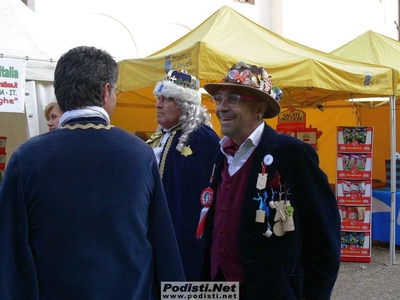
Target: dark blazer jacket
point(301, 264)
point(184, 178)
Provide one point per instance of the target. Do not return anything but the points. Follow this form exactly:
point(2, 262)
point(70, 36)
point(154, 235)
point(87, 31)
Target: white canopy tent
point(24, 38)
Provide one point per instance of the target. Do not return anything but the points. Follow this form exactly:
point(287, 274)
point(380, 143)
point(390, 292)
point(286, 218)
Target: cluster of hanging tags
point(283, 220)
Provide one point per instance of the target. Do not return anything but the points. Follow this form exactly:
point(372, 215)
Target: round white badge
point(268, 159)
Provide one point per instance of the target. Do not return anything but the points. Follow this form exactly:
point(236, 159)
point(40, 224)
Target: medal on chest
point(207, 195)
point(206, 199)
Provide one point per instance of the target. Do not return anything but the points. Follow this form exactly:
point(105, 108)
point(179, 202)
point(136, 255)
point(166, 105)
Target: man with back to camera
point(273, 224)
point(87, 217)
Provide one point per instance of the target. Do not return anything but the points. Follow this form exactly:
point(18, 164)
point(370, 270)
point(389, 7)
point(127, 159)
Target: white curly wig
point(169, 89)
point(184, 88)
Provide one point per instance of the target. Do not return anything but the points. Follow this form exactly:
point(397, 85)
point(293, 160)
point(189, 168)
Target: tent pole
point(392, 259)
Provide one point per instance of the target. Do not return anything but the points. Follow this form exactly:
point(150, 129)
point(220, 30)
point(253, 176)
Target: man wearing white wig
point(185, 146)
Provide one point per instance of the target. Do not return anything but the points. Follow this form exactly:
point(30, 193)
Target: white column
point(270, 14)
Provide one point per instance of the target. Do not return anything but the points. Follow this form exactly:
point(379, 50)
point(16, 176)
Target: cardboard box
point(354, 192)
point(355, 139)
point(355, 218)
point(309, 137)
point(354, 165)
point(356, 244)
point(2, 162)
point(3, 143)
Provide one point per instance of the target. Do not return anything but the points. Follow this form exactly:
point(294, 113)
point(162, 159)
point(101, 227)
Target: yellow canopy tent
point(305, 75)
point(372, 47)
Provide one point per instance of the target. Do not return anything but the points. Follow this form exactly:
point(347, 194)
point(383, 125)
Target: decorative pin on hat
point(250, 80)
point(179, 85)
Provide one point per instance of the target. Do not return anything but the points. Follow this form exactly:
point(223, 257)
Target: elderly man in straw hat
point(273, 224)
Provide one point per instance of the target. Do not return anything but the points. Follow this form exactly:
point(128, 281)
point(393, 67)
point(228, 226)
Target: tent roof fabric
point(372, 47)
point(24, 38)
point(305, 75)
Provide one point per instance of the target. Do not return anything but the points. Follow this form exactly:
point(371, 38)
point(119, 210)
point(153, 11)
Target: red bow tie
point(230, 147)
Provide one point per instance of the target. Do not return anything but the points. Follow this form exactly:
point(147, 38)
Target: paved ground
point(369, 281)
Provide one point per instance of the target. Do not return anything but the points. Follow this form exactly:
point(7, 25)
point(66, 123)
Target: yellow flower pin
point(187, 151)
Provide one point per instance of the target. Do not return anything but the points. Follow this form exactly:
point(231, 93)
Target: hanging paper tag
point(266, 209)
point(268, 233)
point(288, 225)
point(262, 181)
point(278, 229)
point(280, 212)
point(260, 216)
point(276, 181)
